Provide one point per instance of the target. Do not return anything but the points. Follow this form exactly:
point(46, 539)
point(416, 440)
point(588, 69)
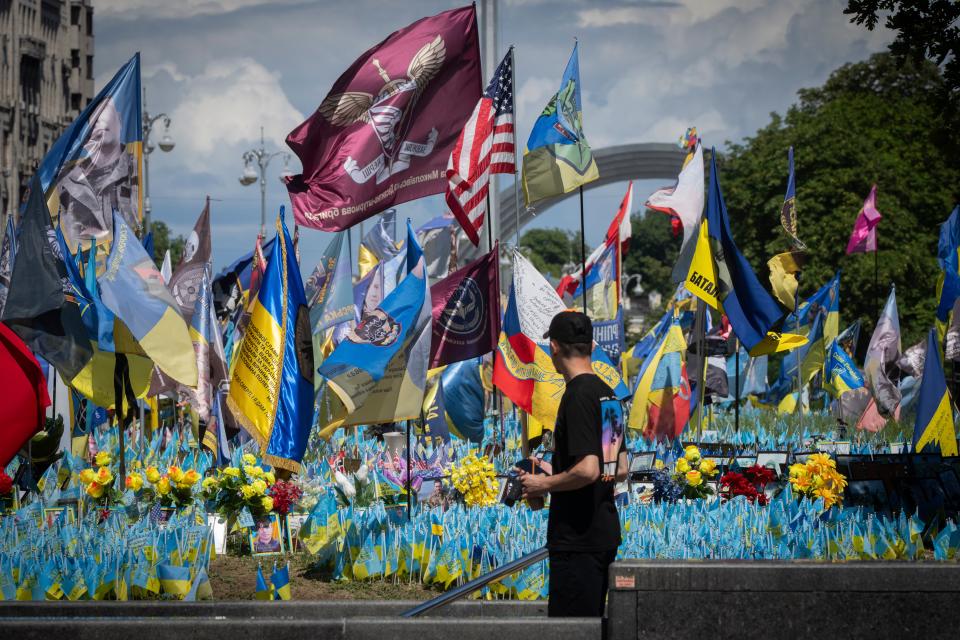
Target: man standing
point(583, 530)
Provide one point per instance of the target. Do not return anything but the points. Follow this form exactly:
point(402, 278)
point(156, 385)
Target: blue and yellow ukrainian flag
point(133, 289)
point(271, 388)
point(842, 374)
point(948, 256)
point(558, 158)
point(721, 276)
point(281, 583)
point(934, 425)
point(174, 580)
point(264, 590)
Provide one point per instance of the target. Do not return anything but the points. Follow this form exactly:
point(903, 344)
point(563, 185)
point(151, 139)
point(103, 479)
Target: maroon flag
point(383, 134)
point(466, 312)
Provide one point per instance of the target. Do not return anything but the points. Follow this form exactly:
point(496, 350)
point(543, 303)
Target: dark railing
point(467, 588)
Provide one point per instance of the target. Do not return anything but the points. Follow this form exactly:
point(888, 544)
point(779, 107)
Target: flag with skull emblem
point(383, 134)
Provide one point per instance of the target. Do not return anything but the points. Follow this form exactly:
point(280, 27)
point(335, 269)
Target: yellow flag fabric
point(702, 277)
point(95, 380)
point(366, 260)
point(776, 342)
point(783, 276)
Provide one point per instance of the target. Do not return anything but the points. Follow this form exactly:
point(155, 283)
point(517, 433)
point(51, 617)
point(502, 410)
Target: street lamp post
point(166, 145)
point(262, 158)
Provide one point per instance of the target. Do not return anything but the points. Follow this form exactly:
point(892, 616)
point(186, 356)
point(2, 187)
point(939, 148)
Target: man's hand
point(534, 485)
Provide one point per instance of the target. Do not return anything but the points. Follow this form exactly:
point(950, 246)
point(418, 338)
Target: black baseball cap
point(571, 327)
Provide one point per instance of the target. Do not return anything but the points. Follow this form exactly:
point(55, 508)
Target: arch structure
point(640, 161)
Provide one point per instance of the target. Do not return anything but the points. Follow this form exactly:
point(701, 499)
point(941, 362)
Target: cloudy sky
point(649, 69)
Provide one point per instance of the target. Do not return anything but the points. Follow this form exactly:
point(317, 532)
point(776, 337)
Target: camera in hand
point(512, 490)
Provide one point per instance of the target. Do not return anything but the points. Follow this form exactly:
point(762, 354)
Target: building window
point(75, 101)
point(90, 22)
point(89, 67)
point(75, 15)
point(75, 58)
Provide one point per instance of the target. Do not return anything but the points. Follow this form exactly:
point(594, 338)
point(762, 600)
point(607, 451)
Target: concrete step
point(333, 620)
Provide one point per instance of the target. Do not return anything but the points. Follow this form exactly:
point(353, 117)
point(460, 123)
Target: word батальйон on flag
point(466, 312)
point(95, 165)
point(523, 370)
point(558, 158)
point(385, 131)
point(721, 276)
point(486, 146)
point(379, 371)
point(934, 425)
point(863, 238)
point(271, 387)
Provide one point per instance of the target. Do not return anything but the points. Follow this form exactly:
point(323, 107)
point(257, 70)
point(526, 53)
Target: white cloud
point(224, 106)
point(615, 16)
point(139, 9)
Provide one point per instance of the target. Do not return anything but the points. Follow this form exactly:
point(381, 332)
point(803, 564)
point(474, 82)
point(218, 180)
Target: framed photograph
point(772, 459)
point(294, 524)
point(642, 461)
point(265, 536)
point(57, 515)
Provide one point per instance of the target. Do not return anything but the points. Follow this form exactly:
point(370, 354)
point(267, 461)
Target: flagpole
point(516, 159)
point(701, 324)
point(409, 495)
point(736, 382)
point(498, 399)
point(796, 311)
point(583, 254)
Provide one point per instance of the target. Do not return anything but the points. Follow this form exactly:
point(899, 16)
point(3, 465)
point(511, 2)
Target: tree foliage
point(551, 249)
point(872, 122)
point(163, 240)
point(653, 252)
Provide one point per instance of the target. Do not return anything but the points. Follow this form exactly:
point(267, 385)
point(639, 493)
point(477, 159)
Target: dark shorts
point(578, 583)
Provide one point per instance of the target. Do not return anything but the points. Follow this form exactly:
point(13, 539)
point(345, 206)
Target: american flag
point(486, 146)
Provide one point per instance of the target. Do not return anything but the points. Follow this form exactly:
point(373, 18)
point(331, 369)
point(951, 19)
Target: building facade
point(46, 80)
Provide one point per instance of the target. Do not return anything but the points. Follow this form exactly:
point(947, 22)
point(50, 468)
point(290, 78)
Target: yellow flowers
point(103, 459)
point(694, 478)
point(708, 467)
point(104, 476)
point(175, 474)
point(87, 476)
point(691, 453)
point(249, 458)
point(247, 491)
point(818, 478)
point(252, 471)
point(134, 481)
point(267, 503)
point(163, 486)
point(231, 472)
point(682, 465)
point(474, 477)
point(269, 477)
point(259, 487)
point(95, 490)
point(153, 476)
point(209, 484)
point(189, 479)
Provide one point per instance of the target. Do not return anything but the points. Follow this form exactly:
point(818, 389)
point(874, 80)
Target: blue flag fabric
point(934, 424)
point(463, 399)
point(751, 310)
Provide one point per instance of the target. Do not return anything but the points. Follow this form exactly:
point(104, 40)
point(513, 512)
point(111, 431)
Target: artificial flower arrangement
point(476, 481)
point(173, 489)
point(99, 483)
point(818, 478)
point(286, 496)
point(750, 484)
point(236, 488)
point(692, 473)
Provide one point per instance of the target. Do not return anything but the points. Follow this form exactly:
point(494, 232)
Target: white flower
point(363, 474)
point(345, 485)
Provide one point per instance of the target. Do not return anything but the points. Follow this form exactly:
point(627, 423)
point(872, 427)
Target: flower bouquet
point(749, 484)
point(818, 478)
point(173, 489)
point(476, 481)
point(236, 488)
point(692, 472)
point(99, 484)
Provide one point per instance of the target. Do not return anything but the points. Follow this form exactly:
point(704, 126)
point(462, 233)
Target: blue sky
point(649, 69)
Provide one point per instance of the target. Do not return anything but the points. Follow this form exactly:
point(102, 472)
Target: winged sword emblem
point(388, 113)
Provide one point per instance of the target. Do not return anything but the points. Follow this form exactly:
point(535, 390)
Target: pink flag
point(864, 236)
point(383, 134)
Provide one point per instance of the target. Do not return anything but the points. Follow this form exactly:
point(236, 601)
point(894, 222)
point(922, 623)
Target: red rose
point(6, 484)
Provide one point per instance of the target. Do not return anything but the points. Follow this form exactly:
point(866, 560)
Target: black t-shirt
point(585, 519)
